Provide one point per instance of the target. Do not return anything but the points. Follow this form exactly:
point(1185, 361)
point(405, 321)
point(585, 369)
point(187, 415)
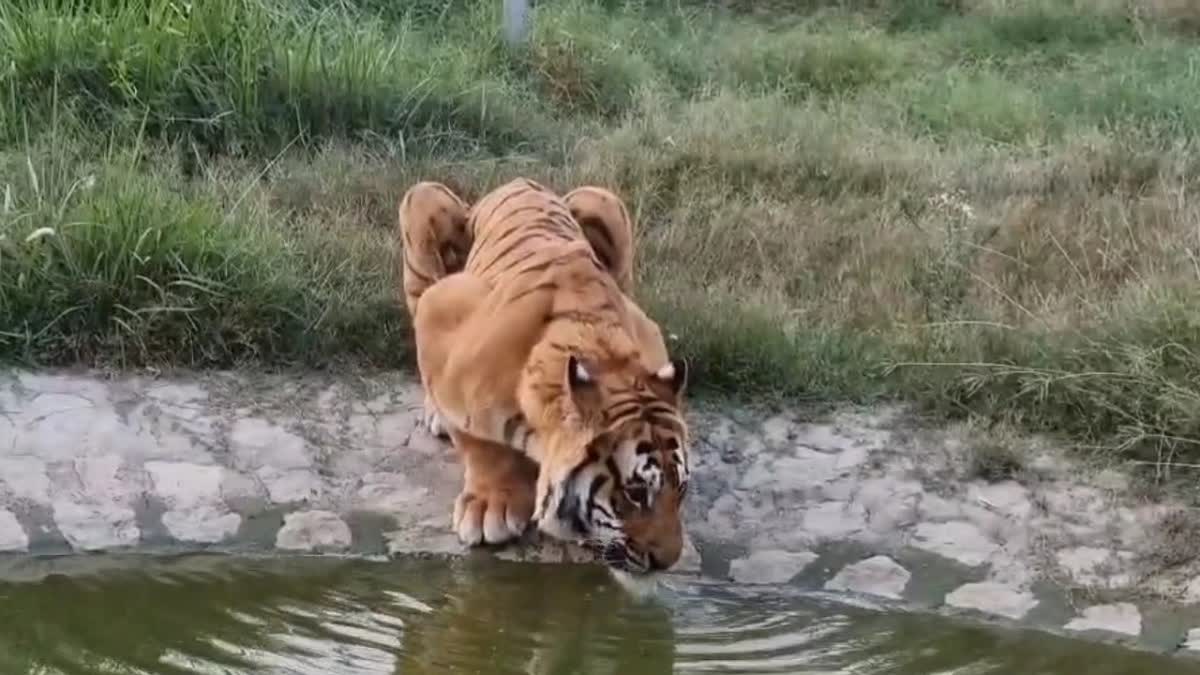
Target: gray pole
point(516, 21)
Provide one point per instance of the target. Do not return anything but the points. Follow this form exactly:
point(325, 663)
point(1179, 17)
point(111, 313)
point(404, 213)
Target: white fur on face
point(666, 373)
point(640, 469)
point(594, 512)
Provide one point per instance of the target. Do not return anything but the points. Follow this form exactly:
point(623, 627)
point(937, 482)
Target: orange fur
point(533, 346)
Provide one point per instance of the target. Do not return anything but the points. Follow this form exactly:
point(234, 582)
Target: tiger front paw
point(493, 518)
point(495, 511)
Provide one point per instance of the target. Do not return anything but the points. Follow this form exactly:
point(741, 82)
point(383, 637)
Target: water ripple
point(231, 616)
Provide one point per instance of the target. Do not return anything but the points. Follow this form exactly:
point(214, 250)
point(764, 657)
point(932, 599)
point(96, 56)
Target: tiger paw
point(437, 429)
point(433, 421)
point(495, 516)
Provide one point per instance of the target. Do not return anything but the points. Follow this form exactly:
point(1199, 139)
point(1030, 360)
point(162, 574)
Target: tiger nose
point(662, 557)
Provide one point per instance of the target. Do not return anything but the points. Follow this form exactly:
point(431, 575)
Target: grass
point(995, 458)
point(983, 206)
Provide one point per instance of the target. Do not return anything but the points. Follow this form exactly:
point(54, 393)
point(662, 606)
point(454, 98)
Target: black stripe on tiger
point(517, 433)
point(673, 422)
point(524, 237)
point(580, 316)
point(536, 230)
point(606, 248)
point(615, 416)
point(547, 286)
point(592, 504)
point(493, 228)
point(412, 269)
point(511, 426)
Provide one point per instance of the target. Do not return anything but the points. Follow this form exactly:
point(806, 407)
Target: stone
point(777, 430)
point(801, 469)
point(1007, 498)
point(389, 492)
point(880, 576)
point(1122, 618)
point(185, 483)
point(1191, 642)
point(313, 531)
point(96, 526)
point(957, 540)
point(993, 598)
point(94, 508)
point(1091, 566)
point(890, 504)
point(25, 478)
point(196, 510)
point(203, 524)
point(1191, 592)
point(821, 437)
point(258, 442)
point(290, 486)
point(834, 520)
point(12, 535)
point(770, 567)
point(240, 489)
point(936, 508)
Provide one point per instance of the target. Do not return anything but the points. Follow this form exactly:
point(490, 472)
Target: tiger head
point(623, 498)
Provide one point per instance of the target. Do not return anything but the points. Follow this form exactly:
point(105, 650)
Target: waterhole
point(231, 615)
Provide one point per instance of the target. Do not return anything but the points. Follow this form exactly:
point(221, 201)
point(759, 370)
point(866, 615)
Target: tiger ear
point(674, 375)
point(578, 376)
point(581, 388)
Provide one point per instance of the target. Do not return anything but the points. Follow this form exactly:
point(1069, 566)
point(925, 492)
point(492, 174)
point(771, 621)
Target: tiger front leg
point(440, 327)
point(497, 499)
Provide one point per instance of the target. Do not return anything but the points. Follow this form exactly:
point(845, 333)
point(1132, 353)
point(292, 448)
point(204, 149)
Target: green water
point(207, 614)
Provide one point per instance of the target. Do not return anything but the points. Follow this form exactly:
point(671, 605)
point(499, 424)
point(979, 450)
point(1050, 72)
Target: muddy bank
point(860, 501)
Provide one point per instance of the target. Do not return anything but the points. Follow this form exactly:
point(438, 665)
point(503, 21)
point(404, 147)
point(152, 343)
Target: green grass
point(982, 206)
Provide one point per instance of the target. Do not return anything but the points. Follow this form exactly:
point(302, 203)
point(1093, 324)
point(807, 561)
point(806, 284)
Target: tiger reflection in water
point(492, 621)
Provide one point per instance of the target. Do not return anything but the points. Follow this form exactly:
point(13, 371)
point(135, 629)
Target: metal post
point(516, 21)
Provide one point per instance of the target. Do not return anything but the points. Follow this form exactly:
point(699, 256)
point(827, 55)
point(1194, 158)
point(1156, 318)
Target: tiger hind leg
point(432, 240)
point(608, 228)
point(496, 502)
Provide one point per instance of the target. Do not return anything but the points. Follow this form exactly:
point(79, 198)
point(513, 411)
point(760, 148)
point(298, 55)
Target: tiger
point(555, 388)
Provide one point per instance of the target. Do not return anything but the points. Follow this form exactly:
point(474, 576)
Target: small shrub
point(977, 103)
point(995, 461)
point(800, 63)
point(1176, 541)
point(908, 15)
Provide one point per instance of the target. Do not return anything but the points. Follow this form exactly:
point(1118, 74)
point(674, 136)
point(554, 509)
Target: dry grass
point(983, 206)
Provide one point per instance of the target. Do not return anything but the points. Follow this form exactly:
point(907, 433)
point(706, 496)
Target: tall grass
point(980, 205)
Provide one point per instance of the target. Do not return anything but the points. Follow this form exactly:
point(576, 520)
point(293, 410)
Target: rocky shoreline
point(858, 502)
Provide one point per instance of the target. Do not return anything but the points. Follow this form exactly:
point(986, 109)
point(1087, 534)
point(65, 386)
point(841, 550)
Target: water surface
point(210, 614)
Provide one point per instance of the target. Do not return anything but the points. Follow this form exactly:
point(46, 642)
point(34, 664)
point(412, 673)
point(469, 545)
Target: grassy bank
point(981, 205)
